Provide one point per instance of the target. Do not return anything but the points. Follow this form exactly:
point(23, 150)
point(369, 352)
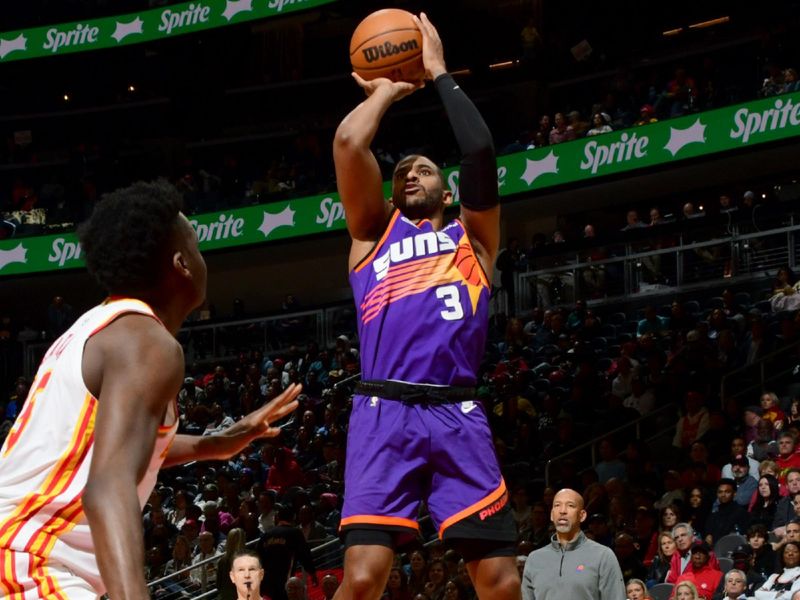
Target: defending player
point(422, 293)
point(101, 417)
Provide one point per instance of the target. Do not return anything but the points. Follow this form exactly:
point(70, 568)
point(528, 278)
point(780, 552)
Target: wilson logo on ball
point(388, 49)
point(388, 43)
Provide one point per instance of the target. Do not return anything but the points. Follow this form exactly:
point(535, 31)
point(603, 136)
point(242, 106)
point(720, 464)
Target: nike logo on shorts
point(468, 406)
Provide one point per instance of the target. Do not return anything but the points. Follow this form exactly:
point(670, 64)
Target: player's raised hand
point(432, 48)
point(398, 89)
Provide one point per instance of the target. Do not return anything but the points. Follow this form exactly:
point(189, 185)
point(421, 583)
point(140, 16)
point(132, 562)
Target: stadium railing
point(684, 265)
point(771, 370)
point(650, 425)
point(327, 555)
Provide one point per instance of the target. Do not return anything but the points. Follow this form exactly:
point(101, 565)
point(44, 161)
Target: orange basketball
point(388, 44)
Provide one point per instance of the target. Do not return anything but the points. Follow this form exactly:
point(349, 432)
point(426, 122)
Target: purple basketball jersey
point(422, 301)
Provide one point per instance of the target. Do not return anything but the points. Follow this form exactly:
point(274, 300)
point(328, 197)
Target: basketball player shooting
point(101, 417)
point(422, 291)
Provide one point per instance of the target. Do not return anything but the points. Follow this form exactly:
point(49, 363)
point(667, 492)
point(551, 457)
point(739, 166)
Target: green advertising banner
point(145, 26)
point(589, 158)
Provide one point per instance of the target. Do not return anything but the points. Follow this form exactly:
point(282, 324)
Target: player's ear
point(180, 264)
point(447, 197)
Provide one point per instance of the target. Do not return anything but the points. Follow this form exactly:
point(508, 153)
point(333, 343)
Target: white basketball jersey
point(44, 466)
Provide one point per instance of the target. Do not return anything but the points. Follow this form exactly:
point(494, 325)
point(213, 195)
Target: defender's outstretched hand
point(257, 423)
point(432, 48)
point(234, 439)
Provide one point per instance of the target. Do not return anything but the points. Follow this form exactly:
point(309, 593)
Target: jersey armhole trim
point(484, 276)
point(130, 310)
point(390, 223)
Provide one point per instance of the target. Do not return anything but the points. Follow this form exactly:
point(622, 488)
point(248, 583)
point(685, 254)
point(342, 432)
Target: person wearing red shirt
point(771, 410)
point(705, 577)
point(284, 472)
point(787, 457)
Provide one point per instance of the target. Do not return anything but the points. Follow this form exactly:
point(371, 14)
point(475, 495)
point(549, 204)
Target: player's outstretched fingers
point(283, 404)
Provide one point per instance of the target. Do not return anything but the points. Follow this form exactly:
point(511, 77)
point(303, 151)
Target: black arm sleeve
point(477, 184)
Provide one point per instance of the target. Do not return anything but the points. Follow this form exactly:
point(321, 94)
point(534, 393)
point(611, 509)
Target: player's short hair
point(125, 239)
point(404, 165)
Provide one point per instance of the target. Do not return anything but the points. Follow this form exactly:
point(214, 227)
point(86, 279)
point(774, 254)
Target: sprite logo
point(388, 49)
point(81, 34)
point(629, 147)
point(63, 250)
point(330, 211)
point(748, 123)
point(226, 226)
point(194, 14)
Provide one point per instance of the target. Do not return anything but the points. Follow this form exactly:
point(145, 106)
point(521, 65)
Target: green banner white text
point(712, 132)
point(145, 26)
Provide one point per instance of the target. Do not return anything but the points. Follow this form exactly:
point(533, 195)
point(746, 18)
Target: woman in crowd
point(765, 501)
point(417, 572)
point(397, 586)
point(233, 544)
point(784, 278)
point(668, 517)
point(455, 590)
point(637, 590)
point(794, 409)
point(685, 591)
point(437, 571)
point(247, 518)
point(762, 561)
point(660, 567)
point(600, 124)
point(698, 509)
point(785, 582)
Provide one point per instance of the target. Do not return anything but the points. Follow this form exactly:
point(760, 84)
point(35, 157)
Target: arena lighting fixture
point(131, 88)
point(461, 72)
point(671, 32)
point(710, 23)
point(66, 97)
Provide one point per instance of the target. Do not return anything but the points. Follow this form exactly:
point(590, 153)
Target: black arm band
point(477, 186)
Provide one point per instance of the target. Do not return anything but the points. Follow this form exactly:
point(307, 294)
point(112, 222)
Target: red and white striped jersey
point(44, 466)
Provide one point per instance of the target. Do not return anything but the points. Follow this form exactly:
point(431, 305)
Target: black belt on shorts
point(416, 393)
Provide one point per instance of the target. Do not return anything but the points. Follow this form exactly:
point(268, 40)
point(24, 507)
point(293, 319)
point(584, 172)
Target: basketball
point(387, 43)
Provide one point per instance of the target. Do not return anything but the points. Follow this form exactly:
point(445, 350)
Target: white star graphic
point(536, 168)
point(273, 221)
point(15, 255)
point(678, 138)
point(123, 30)
point(8, 46)
point(234, 7)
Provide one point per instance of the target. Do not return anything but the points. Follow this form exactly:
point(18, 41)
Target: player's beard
point(418, 208)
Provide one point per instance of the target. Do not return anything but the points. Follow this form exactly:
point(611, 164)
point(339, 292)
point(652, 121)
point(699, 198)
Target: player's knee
point(504, 583)
point(509, 585)
point(363, 584)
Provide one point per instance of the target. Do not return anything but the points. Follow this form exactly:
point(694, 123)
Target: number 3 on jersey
point(452, 301)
